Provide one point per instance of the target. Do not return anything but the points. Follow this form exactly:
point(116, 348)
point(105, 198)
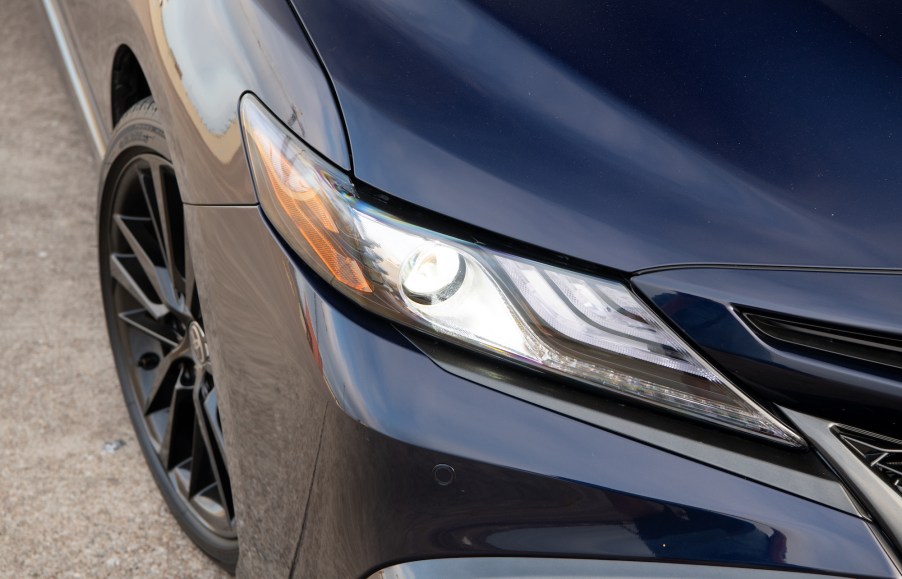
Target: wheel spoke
point(139, 320)
point(151, 182)
point(202, 475)
point(167, 377)
point(135, 234)
point(120, 272)
point(211, 445)
point(176, 445)
point(190, 282)
point(165, 213)
point(211, 417)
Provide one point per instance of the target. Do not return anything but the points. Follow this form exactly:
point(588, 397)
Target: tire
point(155, 325)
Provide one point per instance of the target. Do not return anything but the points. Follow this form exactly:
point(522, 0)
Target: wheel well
point(129, 85)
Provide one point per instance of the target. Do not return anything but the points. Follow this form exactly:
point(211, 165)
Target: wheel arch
point(128, 83)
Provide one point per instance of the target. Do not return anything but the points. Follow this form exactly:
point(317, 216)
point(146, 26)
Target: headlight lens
point(588, 329)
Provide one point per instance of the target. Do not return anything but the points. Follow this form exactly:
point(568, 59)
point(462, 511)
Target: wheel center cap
point(197, 341)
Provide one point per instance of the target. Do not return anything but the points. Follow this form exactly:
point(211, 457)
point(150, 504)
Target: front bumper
point(335, 423)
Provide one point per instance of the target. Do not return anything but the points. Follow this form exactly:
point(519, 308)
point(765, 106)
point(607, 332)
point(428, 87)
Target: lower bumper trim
point(539, 568)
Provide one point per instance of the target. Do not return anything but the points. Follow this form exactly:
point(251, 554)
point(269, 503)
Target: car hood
point(632, 135)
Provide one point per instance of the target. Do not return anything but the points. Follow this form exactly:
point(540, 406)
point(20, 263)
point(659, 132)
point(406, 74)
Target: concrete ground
point(71, 503)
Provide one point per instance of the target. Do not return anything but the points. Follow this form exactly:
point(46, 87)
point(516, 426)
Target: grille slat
point(867, 347)
point(881, 453)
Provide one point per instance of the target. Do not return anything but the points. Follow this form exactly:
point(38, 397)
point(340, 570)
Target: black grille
point(848, 343)
point(881, 453)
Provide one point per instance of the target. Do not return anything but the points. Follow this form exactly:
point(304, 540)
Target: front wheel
point(156, 328)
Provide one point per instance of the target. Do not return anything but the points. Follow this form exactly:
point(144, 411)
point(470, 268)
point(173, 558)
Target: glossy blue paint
point(703, 304)
point(629, 134)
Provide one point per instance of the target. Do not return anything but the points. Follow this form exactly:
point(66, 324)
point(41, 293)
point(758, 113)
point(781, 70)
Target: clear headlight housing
point(585, 328)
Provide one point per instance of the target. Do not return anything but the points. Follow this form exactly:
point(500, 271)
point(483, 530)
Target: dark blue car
point(485, 288)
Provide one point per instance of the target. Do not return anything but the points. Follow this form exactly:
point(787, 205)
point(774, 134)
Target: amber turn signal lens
point(296, 186)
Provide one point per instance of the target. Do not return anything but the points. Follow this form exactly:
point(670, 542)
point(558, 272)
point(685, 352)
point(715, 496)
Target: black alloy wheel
point(156, 328)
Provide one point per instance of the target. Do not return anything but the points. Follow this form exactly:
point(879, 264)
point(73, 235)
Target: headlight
point(585, 328)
